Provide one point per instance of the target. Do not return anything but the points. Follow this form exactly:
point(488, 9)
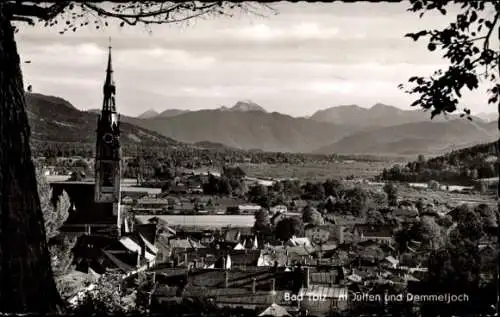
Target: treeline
point(457, 167)
point(190, 156)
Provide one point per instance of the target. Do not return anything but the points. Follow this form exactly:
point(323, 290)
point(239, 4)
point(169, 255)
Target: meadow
point(212, 221)
point(318, 171)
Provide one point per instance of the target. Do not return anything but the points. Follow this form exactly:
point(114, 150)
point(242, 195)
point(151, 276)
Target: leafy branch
point(466, 45)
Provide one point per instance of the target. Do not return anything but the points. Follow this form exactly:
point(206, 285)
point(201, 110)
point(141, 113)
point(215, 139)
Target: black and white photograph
point(244, 159)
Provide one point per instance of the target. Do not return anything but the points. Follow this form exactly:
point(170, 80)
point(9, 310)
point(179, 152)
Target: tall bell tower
point(108, 152)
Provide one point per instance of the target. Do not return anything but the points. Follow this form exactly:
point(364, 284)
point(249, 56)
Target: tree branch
point(23, 19)
point(490, 31)
point(44, 13)
point(134, 18)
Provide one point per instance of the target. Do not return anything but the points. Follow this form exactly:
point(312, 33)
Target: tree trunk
point(26, 280)
point(497, 280)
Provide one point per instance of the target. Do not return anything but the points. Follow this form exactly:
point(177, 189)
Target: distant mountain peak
point(151, 113)
point(381, 106)
point(172, 113)
point(247, 105)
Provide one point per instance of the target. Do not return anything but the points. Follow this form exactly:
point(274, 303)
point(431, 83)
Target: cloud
point(83, 54)
point(299, 31)
point(158, 58)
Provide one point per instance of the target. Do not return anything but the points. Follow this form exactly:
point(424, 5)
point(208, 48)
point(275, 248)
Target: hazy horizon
point(309, 57)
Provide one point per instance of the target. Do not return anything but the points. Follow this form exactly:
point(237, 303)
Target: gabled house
point(232, 235)
point(278, 208)
point(347, 220)
point(296, 242)
point(130, 254)
point(324, 233)
point(375, 233)
point(391, 261)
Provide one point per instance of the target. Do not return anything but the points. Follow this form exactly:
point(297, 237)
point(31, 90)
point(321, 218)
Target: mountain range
point(379, 115)
point(380, 129)
point(54, 119)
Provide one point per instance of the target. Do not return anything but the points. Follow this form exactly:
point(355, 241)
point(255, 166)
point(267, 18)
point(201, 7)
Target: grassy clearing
point(316, 172)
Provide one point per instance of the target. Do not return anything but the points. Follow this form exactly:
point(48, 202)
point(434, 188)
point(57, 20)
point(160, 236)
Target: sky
point(308, 57)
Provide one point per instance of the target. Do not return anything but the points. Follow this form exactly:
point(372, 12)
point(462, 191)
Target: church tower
point(108, 152)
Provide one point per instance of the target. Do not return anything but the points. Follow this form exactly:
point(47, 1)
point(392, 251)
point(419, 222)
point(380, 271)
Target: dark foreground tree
point(26, 280)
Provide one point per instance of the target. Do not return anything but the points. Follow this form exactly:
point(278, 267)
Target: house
point(232, 235)
point(347, 220)
point(275, 310)
point(152, 205)
point(278, 209)
point(248, 209)
point(185, 244)
point(335, 298)
point(299, 204)
point(324, 233)
point(130, 254)
point(295, 242)
point(391, 261)
point(127, 200)
point(375, 233)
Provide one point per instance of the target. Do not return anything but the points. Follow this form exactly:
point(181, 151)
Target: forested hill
point(458, 167)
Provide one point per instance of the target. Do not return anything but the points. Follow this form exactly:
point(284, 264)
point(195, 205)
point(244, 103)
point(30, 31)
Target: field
point(209, 221)
point(316, 172)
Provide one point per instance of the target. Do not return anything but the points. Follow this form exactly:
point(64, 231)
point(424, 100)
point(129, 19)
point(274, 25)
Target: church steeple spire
point(109, 88)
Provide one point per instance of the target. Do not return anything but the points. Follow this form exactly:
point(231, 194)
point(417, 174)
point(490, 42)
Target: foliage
point(109, 297)
point(353, 202)
point(313, 191)
point(371, 253)
point(259, 194)
point(431, 233)
point(487, 215)
point(391, 191)
point(289, 227)
point(312, 216)
point(469, 225)
point(234, 172)
point(262, 223)
point(460, 167)
point(54, 212)
point(61, 251)
point(375, 217)
point(217, 186)
point(466, 45)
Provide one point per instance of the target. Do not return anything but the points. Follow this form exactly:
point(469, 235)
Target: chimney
point(306, 277)
point(226, 278)
point(254, 284)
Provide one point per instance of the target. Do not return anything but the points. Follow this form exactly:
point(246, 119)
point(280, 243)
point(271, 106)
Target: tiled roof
point(226, 295)
point(347, 220)
point(324, 278)
point(275, 311)
point(120, 263)
point(375, 231)
point(241, 279)
point(318, 291)
point(232, 235)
